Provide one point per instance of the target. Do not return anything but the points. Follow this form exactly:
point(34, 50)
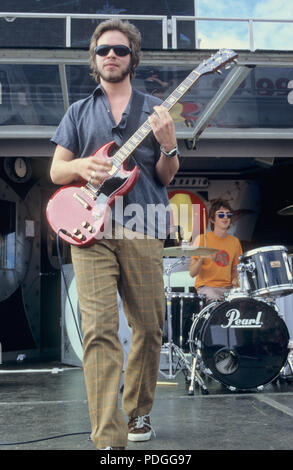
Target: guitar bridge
point(81, 201)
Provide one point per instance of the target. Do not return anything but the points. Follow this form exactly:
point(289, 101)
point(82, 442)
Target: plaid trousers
point(135, 268)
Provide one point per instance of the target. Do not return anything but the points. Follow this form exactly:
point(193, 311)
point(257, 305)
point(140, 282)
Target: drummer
point(216, 274)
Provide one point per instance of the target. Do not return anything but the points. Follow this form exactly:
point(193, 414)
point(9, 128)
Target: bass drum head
point(244, 343)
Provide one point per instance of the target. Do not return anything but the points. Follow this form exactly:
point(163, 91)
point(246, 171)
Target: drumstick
point(204, 229)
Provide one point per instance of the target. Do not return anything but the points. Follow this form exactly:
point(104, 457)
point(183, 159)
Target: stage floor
point(47, 403)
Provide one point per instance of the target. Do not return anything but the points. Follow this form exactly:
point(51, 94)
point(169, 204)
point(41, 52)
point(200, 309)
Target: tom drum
point(268, 271)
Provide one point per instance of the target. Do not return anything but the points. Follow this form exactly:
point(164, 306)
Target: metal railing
point(250, 23)
point(10, 17)
point(169, 25)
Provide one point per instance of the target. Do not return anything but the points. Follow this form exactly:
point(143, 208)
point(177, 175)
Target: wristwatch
point(170, 154)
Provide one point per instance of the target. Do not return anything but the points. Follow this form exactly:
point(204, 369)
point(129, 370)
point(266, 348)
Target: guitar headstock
point(217, 61)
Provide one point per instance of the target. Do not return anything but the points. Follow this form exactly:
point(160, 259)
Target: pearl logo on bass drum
point(241, 342)
point(234, 320)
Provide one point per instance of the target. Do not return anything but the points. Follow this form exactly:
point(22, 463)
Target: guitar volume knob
point(81, 237)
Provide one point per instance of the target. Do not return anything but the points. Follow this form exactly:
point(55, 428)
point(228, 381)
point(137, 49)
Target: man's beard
point(108, 77)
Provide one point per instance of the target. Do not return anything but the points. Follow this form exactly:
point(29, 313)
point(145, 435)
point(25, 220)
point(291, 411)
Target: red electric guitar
point(79, 212)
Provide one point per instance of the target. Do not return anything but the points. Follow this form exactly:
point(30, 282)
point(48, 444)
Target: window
point(30, 95)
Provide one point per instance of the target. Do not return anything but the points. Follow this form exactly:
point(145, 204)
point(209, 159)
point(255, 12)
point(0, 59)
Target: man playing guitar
point(132, 265)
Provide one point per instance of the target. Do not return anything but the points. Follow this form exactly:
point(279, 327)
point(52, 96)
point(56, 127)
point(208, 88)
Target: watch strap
point(170, 154)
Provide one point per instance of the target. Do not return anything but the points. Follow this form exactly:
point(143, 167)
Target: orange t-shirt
point(216, 271)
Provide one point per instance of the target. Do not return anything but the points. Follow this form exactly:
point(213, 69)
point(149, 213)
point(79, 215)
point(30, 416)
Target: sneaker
point(112, 448)
point(140, 429)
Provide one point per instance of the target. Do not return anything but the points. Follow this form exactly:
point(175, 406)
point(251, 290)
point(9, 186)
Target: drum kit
point(242, 342)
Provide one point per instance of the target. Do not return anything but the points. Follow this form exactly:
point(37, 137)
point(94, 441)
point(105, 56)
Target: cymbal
point(179, 251)
point(286, 211)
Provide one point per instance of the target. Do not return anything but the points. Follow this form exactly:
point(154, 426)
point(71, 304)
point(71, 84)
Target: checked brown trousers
point(135, 267)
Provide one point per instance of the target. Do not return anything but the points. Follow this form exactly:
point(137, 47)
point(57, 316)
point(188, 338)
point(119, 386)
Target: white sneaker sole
point(140, 437)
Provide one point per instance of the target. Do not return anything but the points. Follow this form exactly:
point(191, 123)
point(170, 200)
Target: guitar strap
point(132, 121)
point(134, 114)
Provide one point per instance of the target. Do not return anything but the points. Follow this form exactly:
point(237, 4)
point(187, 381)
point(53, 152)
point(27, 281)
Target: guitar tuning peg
point(235, 61)
point(219, 72)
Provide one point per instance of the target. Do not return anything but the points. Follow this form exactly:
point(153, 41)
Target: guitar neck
point(125, 151)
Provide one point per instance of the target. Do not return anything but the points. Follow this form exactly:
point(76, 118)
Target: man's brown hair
point(216, 205)
point(130, 31)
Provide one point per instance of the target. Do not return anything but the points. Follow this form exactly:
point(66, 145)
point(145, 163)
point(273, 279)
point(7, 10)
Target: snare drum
point(242, 343)
point(268, 271)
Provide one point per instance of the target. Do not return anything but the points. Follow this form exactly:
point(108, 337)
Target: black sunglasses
point(221, 215)
point(119, 50)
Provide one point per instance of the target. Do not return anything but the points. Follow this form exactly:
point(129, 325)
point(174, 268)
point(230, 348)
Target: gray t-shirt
point(87, 125)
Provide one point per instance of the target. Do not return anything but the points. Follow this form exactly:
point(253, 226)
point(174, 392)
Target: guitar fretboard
point(125, 151)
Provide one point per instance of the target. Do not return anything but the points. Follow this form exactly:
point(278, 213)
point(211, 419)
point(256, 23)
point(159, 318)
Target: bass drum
point(243, 342)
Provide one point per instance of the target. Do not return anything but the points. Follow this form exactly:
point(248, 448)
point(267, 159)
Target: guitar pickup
point(88, 193)
point(113, 170)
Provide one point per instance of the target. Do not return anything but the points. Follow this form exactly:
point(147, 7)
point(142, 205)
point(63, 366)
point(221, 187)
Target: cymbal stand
point(172, 349)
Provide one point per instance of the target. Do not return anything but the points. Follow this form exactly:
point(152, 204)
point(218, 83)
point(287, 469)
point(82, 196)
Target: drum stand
point(286, 373)
point(172, 349)
point(195, 376)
